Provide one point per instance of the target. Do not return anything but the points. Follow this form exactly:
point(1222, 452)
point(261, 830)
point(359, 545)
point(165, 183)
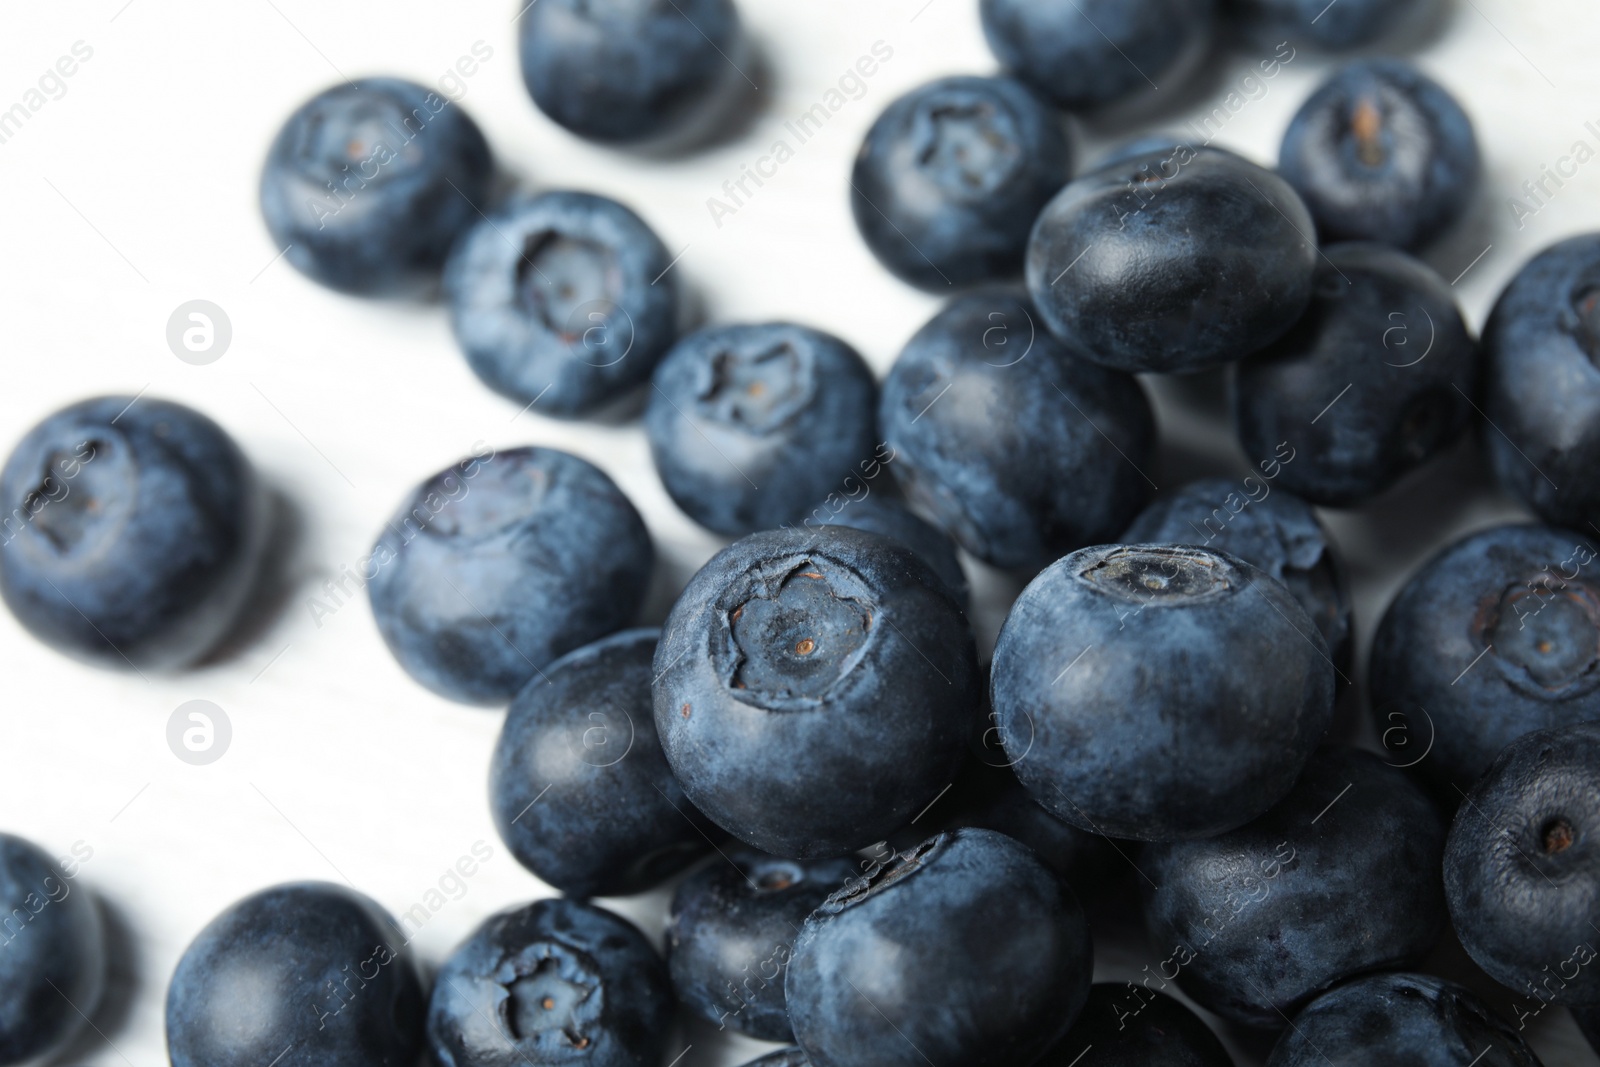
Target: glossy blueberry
point(132, 533)
point(1340, 878)
point(309, 973)
point(1159, 692)
point(1128, 1025)
point(751, 425)
point(731, 933)
point(555, 982)
point(1173, 262)
point(884, 515)
point(814, 689)
point(1336, 27)
point(497, 566)
point(562, 301)
point(1520, 606)
point(1373, 381)
point(370, 182)
point(1382, 152)
point(1016, 448)
point(951, 176)
point(965, 950)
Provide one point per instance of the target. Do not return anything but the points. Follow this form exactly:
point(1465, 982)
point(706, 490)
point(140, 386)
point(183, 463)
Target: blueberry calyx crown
point(967, 148)
point(882, 876)
point(555, 997)
point(756, 390)
point(769, 876)
point(1366, 126)
point(65, 513)
point(1546, 634)
point(1160, 574)
point(570, 285)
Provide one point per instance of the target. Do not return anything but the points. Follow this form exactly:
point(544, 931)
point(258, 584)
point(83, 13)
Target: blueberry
point(580, 791)
point(1336, 27)
point(497, 566)
point(1019, 450)
point(1587, 1018)
point(1373, 382)
point(370, 182)
point(965, 950)
point(305, 975)
point(751, 425)
point(1159, 692)
point(563, 300)
point(133, 532)
point(52, 959)
point(731, 933)
point(555, 982)
point(1382, 152)
point(1496, 636)
point(886, 516)
point(784, 1057)
point(1176, 261)
point(951, 176)
point(1340, 878)
point(814, 689)
point(1127, 1025)
point(1521, 871)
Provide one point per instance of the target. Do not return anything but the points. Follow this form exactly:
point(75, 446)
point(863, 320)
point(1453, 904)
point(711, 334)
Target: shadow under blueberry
point(111, 1016)
point(275, 582)
point(750, 89)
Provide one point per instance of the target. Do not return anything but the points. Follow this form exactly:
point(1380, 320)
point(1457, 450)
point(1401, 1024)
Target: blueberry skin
point(1173, 262)
point(1337, 28)
point(1522, 867)
point(563, 300)
point(731, 933)
point(1340, 878)
point(497, 566)
point(814, 689)
point(308, 971)
point(1521, 604)
point(1126, 1025)
point(750, 425)
point(1587, 1018)
point(1159, 692)
point(556, 981)
point(1018, 450)
point(966, 950)
point(53, 957)
point(133, 532)
point(951, 176)
point(784, 1057)
point(1400, 1020)
point(886, 516)
point(1387, 328)
point(368, 184)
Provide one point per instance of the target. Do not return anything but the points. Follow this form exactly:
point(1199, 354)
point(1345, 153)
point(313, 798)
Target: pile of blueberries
point(887, 852)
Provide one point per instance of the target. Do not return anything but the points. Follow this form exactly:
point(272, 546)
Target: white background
point(135, 192)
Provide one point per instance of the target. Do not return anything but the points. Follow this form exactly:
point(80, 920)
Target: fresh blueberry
point(1128, 1025)
point(965, 950)
point(555, 982)
point(784, 1057)
point(751, 425)
point(951, 176)
point(133, 532)
point(886, 516)
point(497, 566)
point(1498, 635)
point(1176, 261)
point(1522, 872)
point(1159, 692)
point(563, 301)
point(1381, 152)
point(731, 932)
point(1338, 26)
point(369, 183)
point(1016, 448)
point(1340, 878)
point(1373, 381)
point(814, 689)
point(580, 791)
point(302, 975)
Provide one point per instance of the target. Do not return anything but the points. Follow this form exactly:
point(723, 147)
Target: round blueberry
point(563, 301)
point(751, 425)
point(369, 183)
point(951, 176)
point(1128, 1025)
point(133, 532)
point(305, 975)
point(1338, 26)
point(888, 517)
point(497, 566)
point(814, 689)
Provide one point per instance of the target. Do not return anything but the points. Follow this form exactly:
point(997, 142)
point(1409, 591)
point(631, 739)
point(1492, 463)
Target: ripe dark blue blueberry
point(132, 532)
point(555, 982)
point(1159, 692)
point(1128, 1025)
point(308, 974)
point(563, 301)
point(497, 566)
point(369, 183)
point(951, 176)
point(814, 689)
point(884, 515)
point(751, 425)
point(1016, 448)
point(1338, 26)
